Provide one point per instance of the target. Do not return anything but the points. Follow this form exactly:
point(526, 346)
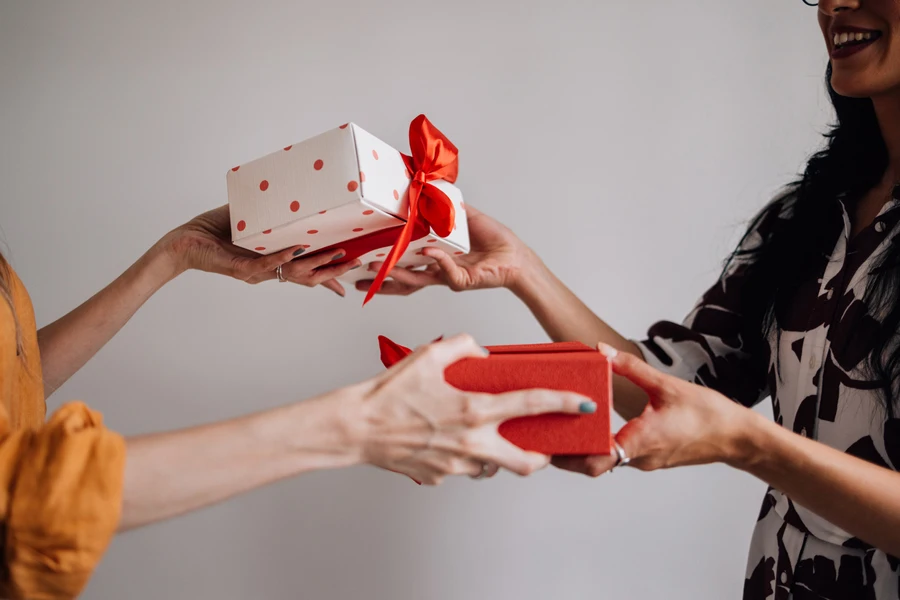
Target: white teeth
point(843, 38)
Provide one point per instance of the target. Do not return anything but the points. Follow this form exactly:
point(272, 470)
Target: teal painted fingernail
point(587, 407)
point(337, 256)
point(299, 251)
point(486, 351)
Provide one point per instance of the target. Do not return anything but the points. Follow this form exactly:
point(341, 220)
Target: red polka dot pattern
point(375, 155)
point(344, 126)
point(353, 186)
point(241, 226)
point(263, 185)
point(396, 195)
point(313, 231)
point(260, 248)
point(322, 212)
point(267, 232)
point(286, 148)
point(304, 246)
point(236, 168)
point(362, 176)
point(432, 241)
point(357, 229)
point(318, 165)
point(368, 212)
point(380, 255)
point(458, 253)
point(295, 206)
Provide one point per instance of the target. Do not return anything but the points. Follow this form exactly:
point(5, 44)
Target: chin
point(860, 85)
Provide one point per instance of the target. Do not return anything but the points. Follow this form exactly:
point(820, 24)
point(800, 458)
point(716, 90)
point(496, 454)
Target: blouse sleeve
point(716, 346)
point(60, 502)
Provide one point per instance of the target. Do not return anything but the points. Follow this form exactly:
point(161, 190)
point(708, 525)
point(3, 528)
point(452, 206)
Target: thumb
point(657, 385)
point(437, 356)
point(446, 352)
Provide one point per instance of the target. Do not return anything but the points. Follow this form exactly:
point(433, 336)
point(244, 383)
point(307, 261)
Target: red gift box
point(569, 366)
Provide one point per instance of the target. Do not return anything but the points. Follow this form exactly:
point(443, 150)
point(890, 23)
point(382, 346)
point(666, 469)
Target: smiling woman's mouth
point(848, 43)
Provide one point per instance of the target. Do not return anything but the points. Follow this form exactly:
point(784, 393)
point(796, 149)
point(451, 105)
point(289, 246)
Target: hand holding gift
point(566, 367)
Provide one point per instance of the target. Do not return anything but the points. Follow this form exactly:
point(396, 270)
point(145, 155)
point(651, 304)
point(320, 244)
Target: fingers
point(502, 407)
point(446, 264)
point(629, 366)
point(388, 288)
point(262, 268)
point(311, 263)
point(490, 470)
point(592, 466)
point(446, 352)
point(302, 275)
point(630, 439)
point(408, 277)
point(505, 455)
point(334, 286)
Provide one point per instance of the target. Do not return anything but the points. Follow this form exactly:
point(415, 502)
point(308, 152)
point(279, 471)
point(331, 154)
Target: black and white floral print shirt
point(814, 371)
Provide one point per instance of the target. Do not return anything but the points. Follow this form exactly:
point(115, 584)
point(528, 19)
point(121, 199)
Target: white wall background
point(625, 141)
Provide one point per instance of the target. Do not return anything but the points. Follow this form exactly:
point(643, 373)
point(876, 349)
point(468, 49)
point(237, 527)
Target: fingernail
point(353, 268)
point(587, 407)
point(486, 351)
point(299, 251)
point(607, 350)
point(337, 256)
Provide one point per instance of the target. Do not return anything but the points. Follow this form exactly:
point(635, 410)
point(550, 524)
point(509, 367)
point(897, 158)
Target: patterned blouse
point(814, 371)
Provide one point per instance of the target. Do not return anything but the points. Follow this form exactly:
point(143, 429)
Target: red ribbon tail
point(400, 245)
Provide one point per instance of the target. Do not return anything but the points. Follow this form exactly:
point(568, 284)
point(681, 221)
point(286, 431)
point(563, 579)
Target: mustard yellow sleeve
point(60, 502)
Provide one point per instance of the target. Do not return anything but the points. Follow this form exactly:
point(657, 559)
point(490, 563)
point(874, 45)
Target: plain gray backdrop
point(626, 142)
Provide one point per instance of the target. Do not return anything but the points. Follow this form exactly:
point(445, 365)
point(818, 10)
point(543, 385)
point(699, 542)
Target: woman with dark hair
point(67, 485)
point(806, 311)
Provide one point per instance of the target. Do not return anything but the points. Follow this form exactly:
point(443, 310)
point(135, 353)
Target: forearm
point(566, 318)
point(857, 496)
point(173, 473)
point(71, 341)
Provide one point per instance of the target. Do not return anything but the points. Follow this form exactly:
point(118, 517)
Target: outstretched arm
point(70, 342)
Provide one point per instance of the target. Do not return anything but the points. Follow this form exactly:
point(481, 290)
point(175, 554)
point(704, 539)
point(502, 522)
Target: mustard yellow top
point(60, 481)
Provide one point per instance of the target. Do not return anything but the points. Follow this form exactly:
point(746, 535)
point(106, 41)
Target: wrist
point(747, 441)
point(528, 276)
point(165, 254)
point(319, 433)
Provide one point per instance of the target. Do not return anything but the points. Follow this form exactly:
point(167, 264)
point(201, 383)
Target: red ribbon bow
point(433, 157)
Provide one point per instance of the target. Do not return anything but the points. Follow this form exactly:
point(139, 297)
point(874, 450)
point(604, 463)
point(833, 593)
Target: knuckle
point(536, 401)
point(470, 411)
point(458, 466)
point(468, 443)
point(467, 339)
point(528, 469)
point(666, 388)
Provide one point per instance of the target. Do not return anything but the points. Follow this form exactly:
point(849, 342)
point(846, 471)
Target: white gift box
point(337, 186)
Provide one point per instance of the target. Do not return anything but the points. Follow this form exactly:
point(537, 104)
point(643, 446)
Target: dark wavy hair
point(853, 161)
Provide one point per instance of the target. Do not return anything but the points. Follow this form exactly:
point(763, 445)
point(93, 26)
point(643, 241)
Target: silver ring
point(622, 459)
point(279, 274)
point(484, 471)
